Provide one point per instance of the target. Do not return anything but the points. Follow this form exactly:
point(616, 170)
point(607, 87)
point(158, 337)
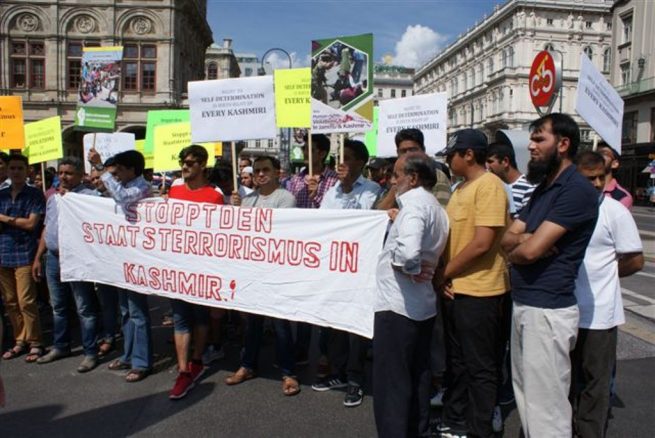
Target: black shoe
point(354, 396)
point(328, 383)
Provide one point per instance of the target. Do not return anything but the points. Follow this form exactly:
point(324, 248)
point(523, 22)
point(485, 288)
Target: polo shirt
point(18, 247)
point(571, 202)
point(614, 190)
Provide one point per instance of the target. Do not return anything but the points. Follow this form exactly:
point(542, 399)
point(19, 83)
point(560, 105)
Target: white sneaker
point(437, 400)
point(497, 420)
point(211, 355)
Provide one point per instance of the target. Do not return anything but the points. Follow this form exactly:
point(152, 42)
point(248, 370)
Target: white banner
point(599, 104)
point(232, 109)
point(316, 266)
point(426, 112)
point(107, 145)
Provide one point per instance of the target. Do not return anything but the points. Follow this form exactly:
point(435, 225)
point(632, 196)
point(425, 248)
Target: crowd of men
point(493, 286)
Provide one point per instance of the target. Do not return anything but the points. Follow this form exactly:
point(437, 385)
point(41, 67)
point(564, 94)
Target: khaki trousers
point(19, 296)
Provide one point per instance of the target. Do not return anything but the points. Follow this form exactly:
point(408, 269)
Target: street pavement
point(53, 400)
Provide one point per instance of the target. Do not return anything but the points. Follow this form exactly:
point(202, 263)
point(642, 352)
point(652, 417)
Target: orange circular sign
point(543, 79)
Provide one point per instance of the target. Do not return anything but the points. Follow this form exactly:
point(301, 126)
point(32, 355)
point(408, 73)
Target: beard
point(539, 170)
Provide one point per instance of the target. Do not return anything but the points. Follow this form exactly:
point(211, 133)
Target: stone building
point(41, 44)
point(392, 81)
point(221, 62)
point(485, 70)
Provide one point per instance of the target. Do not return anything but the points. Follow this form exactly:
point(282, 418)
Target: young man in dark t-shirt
point(546, 245)
point(188, 317)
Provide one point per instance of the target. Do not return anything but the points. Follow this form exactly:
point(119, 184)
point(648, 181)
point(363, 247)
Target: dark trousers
point(347, 355)
point(401, 375)
point(472, 336)
point(592, 362)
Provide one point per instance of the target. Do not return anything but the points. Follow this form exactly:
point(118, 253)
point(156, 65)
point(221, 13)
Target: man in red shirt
point(188, 316)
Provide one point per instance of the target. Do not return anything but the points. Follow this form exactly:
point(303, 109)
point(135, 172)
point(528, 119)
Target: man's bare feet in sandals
point(290, 386)
point(136, 375)
point(14, 352)
point(34, 354)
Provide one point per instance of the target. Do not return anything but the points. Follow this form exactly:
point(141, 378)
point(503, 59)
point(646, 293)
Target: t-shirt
point(206, 194)
point(280, 198)
point(521, 193)
point(483, 202)
point(597, 287)
point(571, 202)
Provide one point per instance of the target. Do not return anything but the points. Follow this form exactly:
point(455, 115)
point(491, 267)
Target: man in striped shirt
point(502, 162)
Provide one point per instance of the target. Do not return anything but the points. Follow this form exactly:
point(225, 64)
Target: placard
point(43, 140)
point(12, 133)
point(170, 139)
point(292, 98)
point(107, 145)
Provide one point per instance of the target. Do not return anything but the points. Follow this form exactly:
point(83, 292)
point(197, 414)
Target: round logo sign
point(544, 83)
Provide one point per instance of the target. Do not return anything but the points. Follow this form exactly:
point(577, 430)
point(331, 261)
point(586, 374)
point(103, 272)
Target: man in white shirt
point(614, 251)
point(406, 302)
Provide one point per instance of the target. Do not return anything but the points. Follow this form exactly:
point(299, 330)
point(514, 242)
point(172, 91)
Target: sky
point(412, 32)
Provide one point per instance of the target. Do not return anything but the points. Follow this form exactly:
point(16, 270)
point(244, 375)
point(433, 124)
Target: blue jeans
point(188, 315)
point(60, 298)
point(108, 296)
point(283, 344)
point(135, 317)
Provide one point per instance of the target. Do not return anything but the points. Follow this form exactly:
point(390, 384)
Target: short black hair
point(562, 125)
point(274, 161)
point(589, 160)
point(77, 164)
point(480, 155)
point(410, 134)
point(4, 157)
point(321, 141)
point(250, 163)
point(358, 149)
point(131, 159)
point(196, 151)
point(424, 168)
point(502, 151)
point(14, 156)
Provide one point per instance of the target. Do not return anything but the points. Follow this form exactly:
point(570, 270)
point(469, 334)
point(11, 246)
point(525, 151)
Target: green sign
point(158, 118)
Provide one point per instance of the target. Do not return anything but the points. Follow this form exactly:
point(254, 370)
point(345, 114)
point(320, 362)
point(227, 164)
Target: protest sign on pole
point(107, 145)
point(43, 140)
point(312, 265)
point(12, 133)
point(169, 140)
point(149, 157)
point(98, 93)
point(599, 104)
point(292, 97)
point(426, 112)
point(161, 117)
point(342, 84)
point(232, 109)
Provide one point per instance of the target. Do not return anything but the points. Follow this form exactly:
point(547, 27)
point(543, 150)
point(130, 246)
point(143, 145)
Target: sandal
point(290, 386)
point(136, 375)
point(34, 354)
point(240, 376)
point(105, 348)
point(118, 365)
point(14, 352)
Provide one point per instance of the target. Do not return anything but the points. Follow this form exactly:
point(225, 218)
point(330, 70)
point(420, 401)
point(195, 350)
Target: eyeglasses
point(188, 163)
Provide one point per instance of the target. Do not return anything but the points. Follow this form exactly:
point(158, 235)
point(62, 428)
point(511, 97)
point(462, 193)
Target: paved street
point(53, 400)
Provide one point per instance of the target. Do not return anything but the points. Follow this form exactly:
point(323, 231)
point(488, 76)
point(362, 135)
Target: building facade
point(392, 81)
point(248, 63)
point(41, 43)
point(485, 71)
point(220, 61)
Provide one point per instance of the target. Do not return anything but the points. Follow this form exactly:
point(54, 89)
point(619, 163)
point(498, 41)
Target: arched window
point(607, 60)
point(212, 71)
point(589, 52)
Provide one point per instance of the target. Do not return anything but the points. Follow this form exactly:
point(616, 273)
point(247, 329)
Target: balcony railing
point(637, 87)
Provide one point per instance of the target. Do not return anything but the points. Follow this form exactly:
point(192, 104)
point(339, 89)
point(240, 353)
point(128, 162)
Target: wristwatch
point(99, 167)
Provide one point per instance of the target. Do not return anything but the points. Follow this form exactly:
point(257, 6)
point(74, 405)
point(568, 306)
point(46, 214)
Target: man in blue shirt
point(546, 246)
point(21, 208)
point(71, 171)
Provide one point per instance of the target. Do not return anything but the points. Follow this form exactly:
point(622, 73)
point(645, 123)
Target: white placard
point(599, 104)
point(426, 112)
point(232, 109)
point(107, 145)
point(312, 265)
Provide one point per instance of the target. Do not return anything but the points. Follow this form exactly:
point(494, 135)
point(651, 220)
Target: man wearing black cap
point(612, 188)
point(474, 283)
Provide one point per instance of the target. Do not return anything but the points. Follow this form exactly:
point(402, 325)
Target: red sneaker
point(196, 370)
point(183, 385)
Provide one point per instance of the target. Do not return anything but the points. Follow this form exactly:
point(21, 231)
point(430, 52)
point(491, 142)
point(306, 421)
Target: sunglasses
point(188, 163)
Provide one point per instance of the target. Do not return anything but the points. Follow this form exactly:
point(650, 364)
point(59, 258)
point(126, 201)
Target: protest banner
point(98, 94)
point(342, 84)
point(149, 157)
point(371, 137)
point(12, 133)
point(169, 140)
point(312, 265)
point(426, 112)
point(292, 98)
point(599, 104)
point(161, 117)
point(107, 145)
point(43, 140)
point(232, 109)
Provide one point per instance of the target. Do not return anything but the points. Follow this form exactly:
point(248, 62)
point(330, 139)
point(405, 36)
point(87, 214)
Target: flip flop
point(117, 365)
point(14, 352)
point(136, 375)
point(34, 354)
point(290, 386)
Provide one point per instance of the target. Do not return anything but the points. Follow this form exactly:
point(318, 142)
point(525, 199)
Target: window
point(589, 52)
point(380, 93)
point(27, 64)
point(455, 86)
point(473, 84)
point(549, 47)
point(248, 71)
point(212, 71)
point(481, 73)
point(549, 21)
point(393, 93)
point(74, 51)
point(510, 57)
point(491, 66)
point(271, 143)
point(629, 135)
point(588, 25)
point(608, 25)
point(627, 28)
point(140, 67)
point(403, 93)
point(625, 74)
point(607, 60)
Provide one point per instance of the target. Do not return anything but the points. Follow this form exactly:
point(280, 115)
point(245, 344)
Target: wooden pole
point(595, 143)
point(43, 177)
point(234, 165)
point(309, 152)
point(341, 141)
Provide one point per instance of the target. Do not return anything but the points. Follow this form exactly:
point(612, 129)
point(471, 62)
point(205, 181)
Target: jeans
point(347, 354)
point(135, 317)
point(283, 344)
point(85, 303)
point(187, 315)
point(108, 296)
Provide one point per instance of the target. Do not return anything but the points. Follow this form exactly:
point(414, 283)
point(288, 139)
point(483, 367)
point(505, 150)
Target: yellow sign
point(292, 98)
point(150, 158)
point(43, 140)
point(12, 134)
point(169, 140)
